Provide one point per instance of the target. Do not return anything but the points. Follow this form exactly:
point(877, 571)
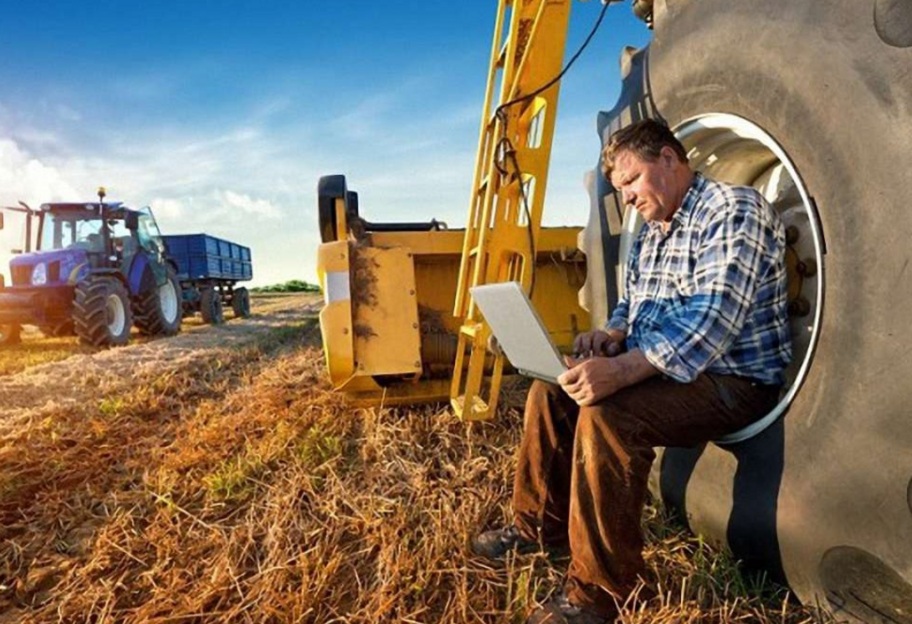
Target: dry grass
point(240, 490)
point(36, 349)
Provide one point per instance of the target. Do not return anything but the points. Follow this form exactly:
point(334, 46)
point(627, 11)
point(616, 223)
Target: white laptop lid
point(519, 330)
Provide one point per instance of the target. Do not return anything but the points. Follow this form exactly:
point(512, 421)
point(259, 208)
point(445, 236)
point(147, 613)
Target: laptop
point(519, 330)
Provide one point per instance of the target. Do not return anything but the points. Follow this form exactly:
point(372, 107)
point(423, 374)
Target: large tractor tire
point(10, 335)
point(240, 303)
point(811, 103)
point(211, 306)
point(158, 310)
point(101, 312)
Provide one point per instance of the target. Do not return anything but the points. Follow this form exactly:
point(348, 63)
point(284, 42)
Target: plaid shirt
point(710, 294)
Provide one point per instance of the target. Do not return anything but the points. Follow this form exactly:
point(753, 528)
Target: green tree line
point(289, 286)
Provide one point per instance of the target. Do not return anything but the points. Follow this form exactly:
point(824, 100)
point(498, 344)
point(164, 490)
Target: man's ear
point(668, 156)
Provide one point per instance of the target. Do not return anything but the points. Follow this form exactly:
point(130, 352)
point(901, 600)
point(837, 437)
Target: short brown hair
point(645, 139)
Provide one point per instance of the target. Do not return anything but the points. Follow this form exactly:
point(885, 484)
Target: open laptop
point(519, 330)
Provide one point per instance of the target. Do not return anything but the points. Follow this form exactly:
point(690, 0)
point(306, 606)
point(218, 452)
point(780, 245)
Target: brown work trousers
point(582, 471)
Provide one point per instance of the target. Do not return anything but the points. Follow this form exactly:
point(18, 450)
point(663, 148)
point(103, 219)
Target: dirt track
point(85, 377)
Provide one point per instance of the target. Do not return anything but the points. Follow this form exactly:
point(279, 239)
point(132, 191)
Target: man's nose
point(628, 196)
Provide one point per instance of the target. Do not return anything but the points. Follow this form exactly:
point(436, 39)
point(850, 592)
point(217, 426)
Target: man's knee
point(541, 396)
point(544, 403)
point(542, 391)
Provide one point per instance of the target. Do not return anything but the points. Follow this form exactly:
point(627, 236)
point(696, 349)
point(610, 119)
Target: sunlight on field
point(37, 349)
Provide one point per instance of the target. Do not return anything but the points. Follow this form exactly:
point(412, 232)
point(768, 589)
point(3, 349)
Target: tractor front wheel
point(9, 335)
point(211, 306)
point(101, 312)
point(159, 309)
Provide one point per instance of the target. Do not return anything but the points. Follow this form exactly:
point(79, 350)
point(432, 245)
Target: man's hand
point(599, 343)
point(590, 380)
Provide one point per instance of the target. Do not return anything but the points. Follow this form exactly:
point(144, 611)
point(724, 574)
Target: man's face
point(650, 187)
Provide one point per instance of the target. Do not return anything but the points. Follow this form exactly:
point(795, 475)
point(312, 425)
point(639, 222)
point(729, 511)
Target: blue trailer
point(208, 269)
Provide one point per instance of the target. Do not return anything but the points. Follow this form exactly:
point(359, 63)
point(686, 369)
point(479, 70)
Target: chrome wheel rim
point(167, 300)
point(117, 315)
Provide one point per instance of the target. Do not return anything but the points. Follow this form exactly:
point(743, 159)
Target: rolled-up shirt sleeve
point(736, 250)
point(618, 318)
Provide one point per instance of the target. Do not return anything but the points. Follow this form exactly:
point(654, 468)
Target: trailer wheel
point(10, 335)
point(159, 309)
point(825, 490)
point(240, 303)
point(101, 312)
point(211, 306)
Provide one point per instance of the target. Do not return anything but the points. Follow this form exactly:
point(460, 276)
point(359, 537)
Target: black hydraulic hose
point(505, 148)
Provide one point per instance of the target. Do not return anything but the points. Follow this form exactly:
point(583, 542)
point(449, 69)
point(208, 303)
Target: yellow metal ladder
point(504, 220)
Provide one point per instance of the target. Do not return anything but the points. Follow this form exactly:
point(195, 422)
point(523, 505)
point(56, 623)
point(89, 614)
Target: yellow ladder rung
point(502, 55)
point(479, 406)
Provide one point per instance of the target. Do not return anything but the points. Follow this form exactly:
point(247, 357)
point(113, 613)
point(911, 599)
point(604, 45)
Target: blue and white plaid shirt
point(710, 294)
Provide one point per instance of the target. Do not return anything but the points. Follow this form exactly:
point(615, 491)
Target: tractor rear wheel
point(211, 306)
point(10, 335)
point(808, 102)
point(101, 312)
point(240, 303)
point(158, 310)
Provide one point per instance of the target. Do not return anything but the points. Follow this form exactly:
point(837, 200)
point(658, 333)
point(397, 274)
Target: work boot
point(560, 610)
point(497, 543)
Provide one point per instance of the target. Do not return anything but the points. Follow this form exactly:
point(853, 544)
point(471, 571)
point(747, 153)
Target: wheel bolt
point(799, 307)
point(792, 234)
point(806, 268)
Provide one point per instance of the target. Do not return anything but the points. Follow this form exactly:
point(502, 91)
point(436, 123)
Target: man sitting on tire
point(696, 349)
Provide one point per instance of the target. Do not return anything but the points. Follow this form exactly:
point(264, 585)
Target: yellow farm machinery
point(808, 102)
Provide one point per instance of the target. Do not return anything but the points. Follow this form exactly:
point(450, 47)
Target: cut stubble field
point(213, 477)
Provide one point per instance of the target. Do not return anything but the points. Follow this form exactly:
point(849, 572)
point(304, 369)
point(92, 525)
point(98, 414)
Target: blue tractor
point(98, 269)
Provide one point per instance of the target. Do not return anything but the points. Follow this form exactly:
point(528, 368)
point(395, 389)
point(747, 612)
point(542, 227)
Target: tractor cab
point(88, 236)
point(106, 235)
point(81, 226)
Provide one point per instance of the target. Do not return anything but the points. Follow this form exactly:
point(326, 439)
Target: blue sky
point(223, 115)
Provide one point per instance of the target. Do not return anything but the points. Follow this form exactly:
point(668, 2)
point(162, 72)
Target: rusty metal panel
point(385, 312)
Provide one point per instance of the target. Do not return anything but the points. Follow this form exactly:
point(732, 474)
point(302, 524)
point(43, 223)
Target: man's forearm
point(633, 367)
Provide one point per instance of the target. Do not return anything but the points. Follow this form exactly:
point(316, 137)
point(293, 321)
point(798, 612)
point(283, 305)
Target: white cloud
point(252, 181)
point(23, 177)
point(241, 135)
point(250, 205)
point(165, 208)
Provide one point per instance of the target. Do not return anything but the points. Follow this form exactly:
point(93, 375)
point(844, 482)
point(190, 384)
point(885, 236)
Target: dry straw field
point(213, 477)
